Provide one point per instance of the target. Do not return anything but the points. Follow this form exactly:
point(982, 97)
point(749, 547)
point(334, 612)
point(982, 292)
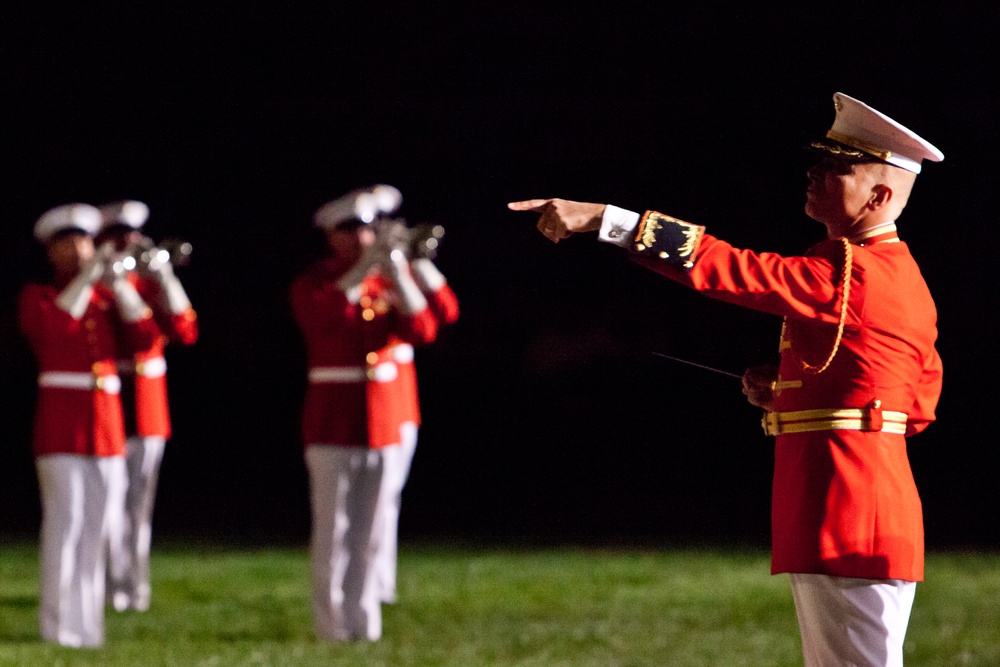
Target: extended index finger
point(529, 205)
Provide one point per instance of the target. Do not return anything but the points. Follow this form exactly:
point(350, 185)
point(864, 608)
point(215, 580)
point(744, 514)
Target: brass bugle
point(178, 251)
point(415, 242)
point(422, 240)
point(141, 253)
point(425, 239)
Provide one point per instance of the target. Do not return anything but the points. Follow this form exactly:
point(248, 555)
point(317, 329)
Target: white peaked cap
point(338, 211)
point(387, 198)
point(128, 212)
point(83, 217)
point(366, 207)
point(363, 205)
point(873, 133)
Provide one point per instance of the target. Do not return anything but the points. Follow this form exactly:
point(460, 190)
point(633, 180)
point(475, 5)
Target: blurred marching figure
point(444, 305)
point(149, 268)
point(75, 327)
point(360, 311)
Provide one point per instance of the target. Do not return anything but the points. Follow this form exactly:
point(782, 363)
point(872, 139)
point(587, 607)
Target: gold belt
point(872, 418)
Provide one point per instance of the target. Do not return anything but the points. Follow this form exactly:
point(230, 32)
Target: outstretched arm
point(561, 217)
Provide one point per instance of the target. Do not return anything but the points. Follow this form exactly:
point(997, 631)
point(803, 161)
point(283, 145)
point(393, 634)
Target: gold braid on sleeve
point(848, 265)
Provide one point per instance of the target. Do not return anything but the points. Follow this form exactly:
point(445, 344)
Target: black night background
point(546, 415)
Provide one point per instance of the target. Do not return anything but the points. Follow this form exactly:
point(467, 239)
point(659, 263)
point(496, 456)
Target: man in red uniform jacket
point(859, 373)
point(144, 398)
point(353, 321)
point(75, 326)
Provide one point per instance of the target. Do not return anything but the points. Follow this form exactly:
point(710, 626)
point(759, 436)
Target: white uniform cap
point(366, 207)
point(129, 212)
point(82, 217)
point(362, 205)
point(873, 134)
point(387, 198)
point(334, 213)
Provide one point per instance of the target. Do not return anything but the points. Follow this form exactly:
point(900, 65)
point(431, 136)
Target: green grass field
point(475, 607)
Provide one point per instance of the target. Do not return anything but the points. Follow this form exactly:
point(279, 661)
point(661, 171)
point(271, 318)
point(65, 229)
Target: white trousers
point(344, 484)
point(75, 495)
point(130, 526)
point(397, 469)
point(852, 622)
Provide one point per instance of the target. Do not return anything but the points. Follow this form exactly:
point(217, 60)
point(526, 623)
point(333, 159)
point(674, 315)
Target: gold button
point(366, 301)
point(371, 374)
point(368, 314)
point(381, 307)
point(90, 324)
point(95, 368)
point(372, 358)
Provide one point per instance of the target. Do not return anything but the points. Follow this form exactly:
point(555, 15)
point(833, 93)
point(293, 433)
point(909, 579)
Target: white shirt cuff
point(618, 225)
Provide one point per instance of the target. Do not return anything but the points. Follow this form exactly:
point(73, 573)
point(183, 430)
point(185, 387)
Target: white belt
point(337, 374)
point(150, 368)
point(110, 384)
point(386, 371)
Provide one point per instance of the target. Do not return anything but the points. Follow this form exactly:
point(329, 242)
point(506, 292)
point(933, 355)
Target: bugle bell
point(145, 253)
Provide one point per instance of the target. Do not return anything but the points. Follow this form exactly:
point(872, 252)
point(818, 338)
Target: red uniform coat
point(152, 410)
point(75, 421)
point(369, 410)
point(444, 306)
point(844, 502)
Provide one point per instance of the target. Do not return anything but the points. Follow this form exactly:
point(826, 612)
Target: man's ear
point(880, 196)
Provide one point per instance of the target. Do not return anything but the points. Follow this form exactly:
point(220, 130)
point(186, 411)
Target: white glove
point(397, 268)
point(131, 307)
point(427, 275)
point(75, 297)
point(172, 295)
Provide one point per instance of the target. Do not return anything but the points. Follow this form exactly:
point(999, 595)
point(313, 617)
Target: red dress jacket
point(443, 304)
point(844, 501)
point(147, 368)
point(88, 422)
point(354, 396)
